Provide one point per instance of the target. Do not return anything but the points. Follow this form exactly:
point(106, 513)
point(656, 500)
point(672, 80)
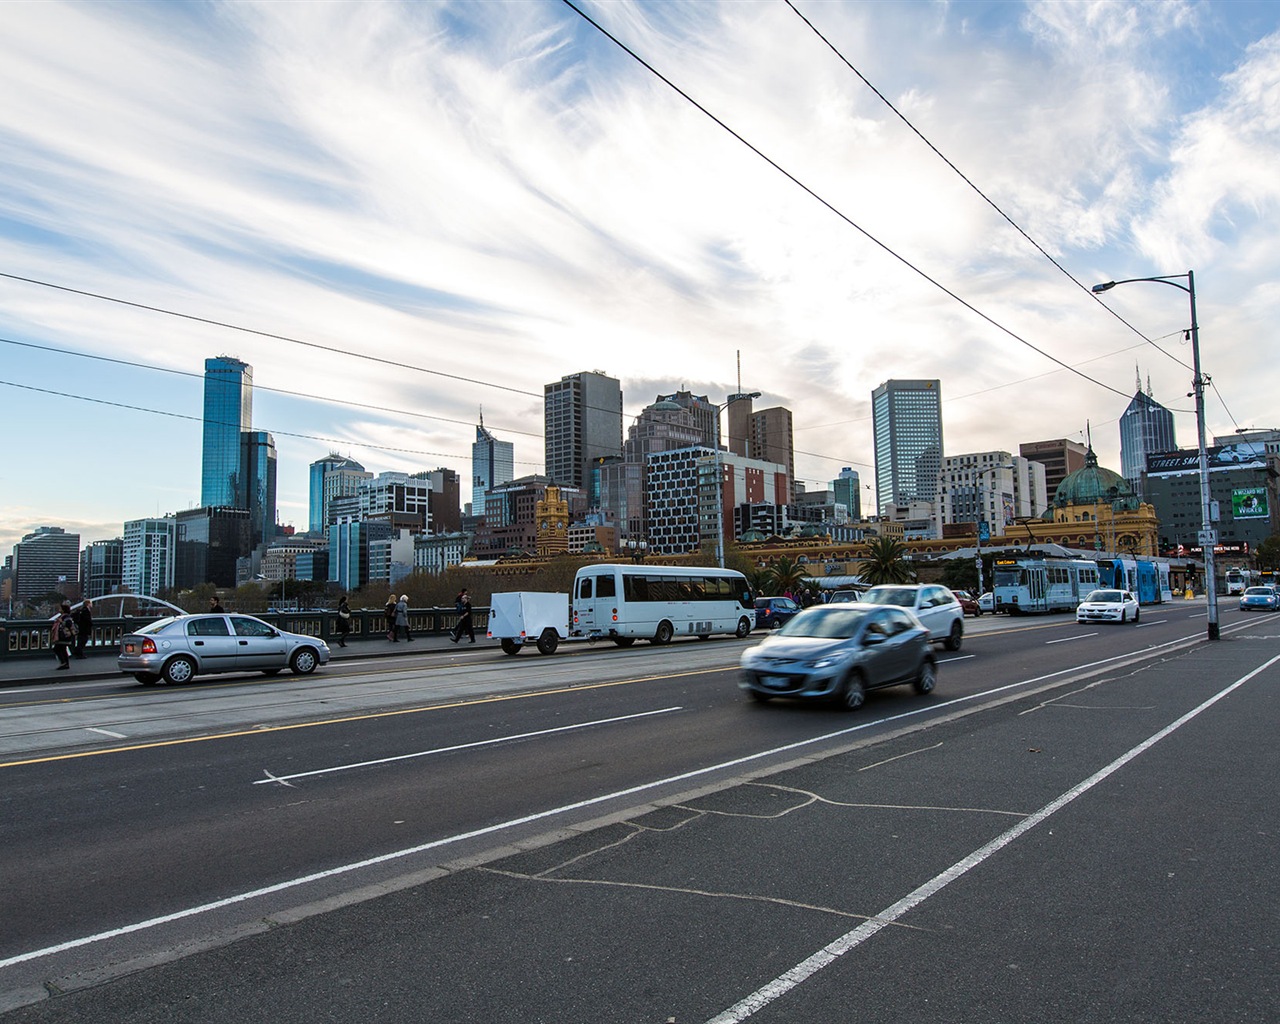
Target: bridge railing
point(23, 638)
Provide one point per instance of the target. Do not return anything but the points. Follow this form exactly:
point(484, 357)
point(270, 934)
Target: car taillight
point(148, 646)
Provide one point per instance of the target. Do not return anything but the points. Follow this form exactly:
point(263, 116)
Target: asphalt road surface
point(1078, 825)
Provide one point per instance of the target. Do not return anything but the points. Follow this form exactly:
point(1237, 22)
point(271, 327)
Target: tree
point(784, 574)
point(885, 562)
point(1268, 553)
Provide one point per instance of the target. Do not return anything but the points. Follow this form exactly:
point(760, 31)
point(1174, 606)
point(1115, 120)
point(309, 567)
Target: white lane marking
point(961, 657)
point(1068, 639)
point(461, 746)
point(851, 940)
point(107, 732)
point(1150, 622)
point(501, 826)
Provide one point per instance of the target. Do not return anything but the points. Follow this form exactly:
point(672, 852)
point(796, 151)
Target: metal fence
point(31, 637)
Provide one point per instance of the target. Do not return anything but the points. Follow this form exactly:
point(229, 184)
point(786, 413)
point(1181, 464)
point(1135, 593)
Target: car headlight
point(826, 662)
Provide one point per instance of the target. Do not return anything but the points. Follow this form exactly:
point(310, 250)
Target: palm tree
point(885, 562)
point(785, 575)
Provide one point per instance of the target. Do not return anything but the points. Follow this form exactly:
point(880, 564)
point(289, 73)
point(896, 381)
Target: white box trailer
point(529, 617)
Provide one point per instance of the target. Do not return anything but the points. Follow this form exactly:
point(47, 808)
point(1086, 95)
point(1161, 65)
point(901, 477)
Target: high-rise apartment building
point(492, 464)
point(1146, 428)
point(907, 426)
point(334, 476)
point(583, 422)
point(401, 499)
point(149, 551)
point(45, 562)
point(228, 412)
point(996, 488)
point(1060, 459)
point(772, 439)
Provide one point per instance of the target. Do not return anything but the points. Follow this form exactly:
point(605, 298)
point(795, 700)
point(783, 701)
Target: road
point(632, 840)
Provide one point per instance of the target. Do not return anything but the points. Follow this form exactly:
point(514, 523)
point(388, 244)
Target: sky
point(408, 215)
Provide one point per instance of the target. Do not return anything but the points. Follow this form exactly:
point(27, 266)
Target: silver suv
point(935, 606)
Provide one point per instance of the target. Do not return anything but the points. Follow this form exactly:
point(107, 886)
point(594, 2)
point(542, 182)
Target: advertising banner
point(1187, 460)
point(1249, 503)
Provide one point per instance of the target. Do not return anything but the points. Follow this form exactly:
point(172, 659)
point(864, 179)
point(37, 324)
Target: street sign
point(1207, 538)
point(984, 531)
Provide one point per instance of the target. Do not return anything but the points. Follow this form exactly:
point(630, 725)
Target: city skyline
point(411, 247)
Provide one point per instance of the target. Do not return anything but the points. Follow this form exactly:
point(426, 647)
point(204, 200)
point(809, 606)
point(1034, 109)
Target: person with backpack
point(462, 605)
point(63, 635)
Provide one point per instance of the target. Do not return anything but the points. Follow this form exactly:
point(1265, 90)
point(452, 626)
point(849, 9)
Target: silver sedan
point(181, 647)
point(1108, 606)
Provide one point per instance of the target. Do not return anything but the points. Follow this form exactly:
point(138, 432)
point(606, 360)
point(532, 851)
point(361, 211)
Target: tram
point(1148, 581)
point(1032, 584)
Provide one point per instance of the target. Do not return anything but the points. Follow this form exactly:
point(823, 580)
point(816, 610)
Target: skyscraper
point(907, 423)
point(1146, 428)
point(334, 476)
point(847, 488)
point(583, 421)
point(492, 463)
point(46, 561)
point(228, 409)
point(257, 491)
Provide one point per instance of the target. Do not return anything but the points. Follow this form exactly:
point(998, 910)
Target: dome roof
point(1095, 485)
point(811, 530)
point(666, 405)
point(752, 537)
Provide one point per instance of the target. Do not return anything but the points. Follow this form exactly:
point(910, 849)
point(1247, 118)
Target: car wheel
point(927, 678)
point(303, 662)
point(955, 638)
point(1137, 614)
point(180, 670)
point(509, 646)
point(548, 642)
point(664, 633)
point(744, 628)
point(146, 678)
point(624, 641)
point(1124, 616)
point(776, 624)
point(854, 693)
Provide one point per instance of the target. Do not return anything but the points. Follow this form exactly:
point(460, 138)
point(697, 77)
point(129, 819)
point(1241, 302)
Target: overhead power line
point(968, 181)
point(883, 246)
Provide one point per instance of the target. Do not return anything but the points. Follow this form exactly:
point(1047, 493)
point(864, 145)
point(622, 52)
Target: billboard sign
point(1249, 503)
point(1187, 460)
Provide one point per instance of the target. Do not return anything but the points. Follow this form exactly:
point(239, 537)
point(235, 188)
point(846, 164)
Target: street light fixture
point(977, 492)
point(637, 549)
point(1208, 536)
point(719, 476)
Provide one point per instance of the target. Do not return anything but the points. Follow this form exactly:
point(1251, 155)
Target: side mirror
point(873, 639)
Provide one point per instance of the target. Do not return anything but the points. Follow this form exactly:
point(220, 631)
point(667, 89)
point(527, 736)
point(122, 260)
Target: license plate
point(130, 648)
point(775, 682)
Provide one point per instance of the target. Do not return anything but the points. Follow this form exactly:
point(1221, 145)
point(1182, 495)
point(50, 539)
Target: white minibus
point(657, 602)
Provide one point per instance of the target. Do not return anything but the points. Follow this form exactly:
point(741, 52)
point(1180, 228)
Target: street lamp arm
point(1169, 279)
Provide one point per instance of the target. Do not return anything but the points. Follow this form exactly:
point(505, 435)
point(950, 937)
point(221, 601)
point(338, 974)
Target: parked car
point(839, 652)
point(181, 647)
point(1259, 599)
point(935, 606)
point(987, 602)
point(1108, 606)
point(772, 612)
point(844, 597)
point(968, 603)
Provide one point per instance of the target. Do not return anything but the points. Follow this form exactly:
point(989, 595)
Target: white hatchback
point(935, 606)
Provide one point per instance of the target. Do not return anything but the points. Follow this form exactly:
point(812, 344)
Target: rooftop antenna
point(739, 355)
point(482, 416)
point(1137, 376)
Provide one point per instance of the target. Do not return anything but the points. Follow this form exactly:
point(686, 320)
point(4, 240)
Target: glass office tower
point(1146, 428)
point(258, 482)
point(228, 406)
point(907, 423)
point(492, 463)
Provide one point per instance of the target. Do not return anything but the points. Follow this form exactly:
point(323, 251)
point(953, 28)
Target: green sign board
point(1249, 503)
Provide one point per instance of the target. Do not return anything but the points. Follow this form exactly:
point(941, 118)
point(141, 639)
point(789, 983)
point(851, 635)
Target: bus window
point(584, 587)
point(606, 587)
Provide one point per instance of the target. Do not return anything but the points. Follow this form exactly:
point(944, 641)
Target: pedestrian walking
point(215, 605)
point(391, 617)
point(462, 606)
point(402, 617)
point(344, 620)
point(62, 635)
point(84, 625)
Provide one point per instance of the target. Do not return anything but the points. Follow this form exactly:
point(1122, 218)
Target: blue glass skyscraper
point(228, 407)
point(258, 484)
point(907, 426)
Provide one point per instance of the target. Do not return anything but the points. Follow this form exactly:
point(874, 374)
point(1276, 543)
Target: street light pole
point(1208, 535)
point(719, 476)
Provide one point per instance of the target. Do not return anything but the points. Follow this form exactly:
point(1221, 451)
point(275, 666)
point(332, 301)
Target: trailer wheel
point(548, 641)
point(509, 646)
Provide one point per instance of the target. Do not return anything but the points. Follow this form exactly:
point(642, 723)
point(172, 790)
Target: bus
point(625, 603)
point(1146, 579)
point(1035, 583)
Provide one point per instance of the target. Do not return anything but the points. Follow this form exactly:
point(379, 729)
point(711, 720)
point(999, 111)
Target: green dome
point(1094, 485)
point(752, 537)
point(811, 530)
